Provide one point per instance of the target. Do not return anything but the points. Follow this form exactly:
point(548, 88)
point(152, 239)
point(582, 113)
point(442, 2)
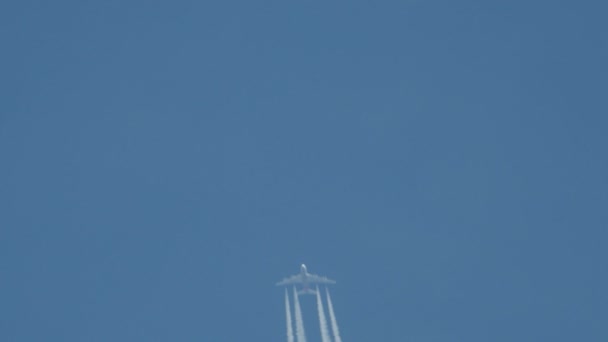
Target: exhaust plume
point(299, 321)
point(332, 317)
point(322, 321)
point(288, 319)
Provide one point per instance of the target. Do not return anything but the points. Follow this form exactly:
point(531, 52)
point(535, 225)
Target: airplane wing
point(313, 278)
point(291, 280)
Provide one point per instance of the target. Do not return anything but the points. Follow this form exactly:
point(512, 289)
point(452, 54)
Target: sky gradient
point(163, 164)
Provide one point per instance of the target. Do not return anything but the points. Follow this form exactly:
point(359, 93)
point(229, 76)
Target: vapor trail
point(322, 322)
point(332, 317)
point(288, 318)
point(299, 321)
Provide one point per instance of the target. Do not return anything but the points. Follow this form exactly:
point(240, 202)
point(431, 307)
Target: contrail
point(322, 322)
point(332, 317)
point(299, 321)
point(288, 318)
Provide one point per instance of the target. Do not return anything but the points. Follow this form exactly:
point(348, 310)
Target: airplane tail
point(307, 291)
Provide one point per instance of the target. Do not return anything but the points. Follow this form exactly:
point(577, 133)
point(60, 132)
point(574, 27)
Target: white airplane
point(305, 279)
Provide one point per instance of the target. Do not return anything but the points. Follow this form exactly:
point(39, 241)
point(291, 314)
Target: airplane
point(305, 279)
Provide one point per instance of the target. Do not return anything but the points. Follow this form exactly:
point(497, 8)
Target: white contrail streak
point(288, 319)
point(322, 322)
point(332, 317)
point(299, 321)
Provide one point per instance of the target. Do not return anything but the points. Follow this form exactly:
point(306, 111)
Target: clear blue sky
point(163, 164)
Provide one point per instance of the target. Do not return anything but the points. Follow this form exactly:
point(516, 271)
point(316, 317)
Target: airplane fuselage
point(304, 273)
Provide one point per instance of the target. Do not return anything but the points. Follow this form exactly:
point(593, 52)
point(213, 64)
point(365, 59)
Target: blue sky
point(163, 164)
